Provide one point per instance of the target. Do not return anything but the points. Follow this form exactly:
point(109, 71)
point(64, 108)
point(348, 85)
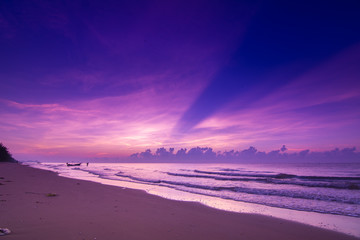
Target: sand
point(39, 204)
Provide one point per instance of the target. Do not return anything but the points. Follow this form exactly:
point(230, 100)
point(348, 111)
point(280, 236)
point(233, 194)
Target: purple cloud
point(250, 155)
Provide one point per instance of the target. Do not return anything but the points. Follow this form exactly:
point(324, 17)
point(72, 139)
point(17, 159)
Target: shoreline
point(82, 209)
point(339, 223)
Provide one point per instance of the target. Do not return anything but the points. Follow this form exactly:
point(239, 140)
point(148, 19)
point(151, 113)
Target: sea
point(326, 195)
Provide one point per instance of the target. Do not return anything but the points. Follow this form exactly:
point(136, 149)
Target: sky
point(109, 79)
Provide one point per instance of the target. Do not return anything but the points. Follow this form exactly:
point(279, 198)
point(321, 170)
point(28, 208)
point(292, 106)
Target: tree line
point(5, 155)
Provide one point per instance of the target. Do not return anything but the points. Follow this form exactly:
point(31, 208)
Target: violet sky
point(82, 79)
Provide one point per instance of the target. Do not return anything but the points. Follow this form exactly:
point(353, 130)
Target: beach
point(39, 204)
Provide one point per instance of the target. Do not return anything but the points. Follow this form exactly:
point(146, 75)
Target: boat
point(73, 164)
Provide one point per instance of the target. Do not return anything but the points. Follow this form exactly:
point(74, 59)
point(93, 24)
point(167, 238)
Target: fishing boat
point(73, 164)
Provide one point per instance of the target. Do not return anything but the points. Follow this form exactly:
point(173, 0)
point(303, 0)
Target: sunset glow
point(110, 80)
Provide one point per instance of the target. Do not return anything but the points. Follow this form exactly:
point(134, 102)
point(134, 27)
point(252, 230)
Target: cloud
point(272, 54)
point(317, 108)
point(283, 148)
point(164, 155)
point(116, 126)
point(250, 155)
point(75, 52)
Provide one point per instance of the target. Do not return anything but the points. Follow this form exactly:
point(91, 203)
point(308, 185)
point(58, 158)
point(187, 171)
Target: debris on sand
point(51, 195)
point(4, 231)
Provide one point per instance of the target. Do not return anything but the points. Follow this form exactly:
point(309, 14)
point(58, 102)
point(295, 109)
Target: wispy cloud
point(311, 109)
point(116, 125)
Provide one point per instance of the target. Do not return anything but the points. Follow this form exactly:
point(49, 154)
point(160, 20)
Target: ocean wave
point(279, 176)
point(302, 206)
point(277, 180)
point(232, 174)
point(254, 191)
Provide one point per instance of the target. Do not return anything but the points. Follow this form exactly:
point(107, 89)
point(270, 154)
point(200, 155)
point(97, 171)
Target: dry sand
point(87, 210)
